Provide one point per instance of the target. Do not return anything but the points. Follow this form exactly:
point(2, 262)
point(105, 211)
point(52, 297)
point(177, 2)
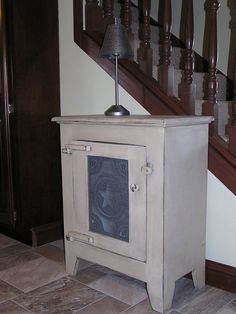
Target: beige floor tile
point(129, 291)
point(230, 308)
point(14, 249)
point(209, 302)
point(16, 260)
point(58, 243)
point(52, 252)
point(33, 273)
point(144, 307)
point(83, 264)
point(63, 296)
point(6, 241)
point(140, 308)
point(185, 292)
point(7, 291)
point(107, 305)
point(12, 308)
point(90, 274)
point(102, 269)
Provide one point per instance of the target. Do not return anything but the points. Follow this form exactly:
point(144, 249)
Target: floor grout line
point(91, 303)
point(24, 308)
point(234, 299)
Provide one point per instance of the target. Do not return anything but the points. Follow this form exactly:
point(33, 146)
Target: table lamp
point(116, 46)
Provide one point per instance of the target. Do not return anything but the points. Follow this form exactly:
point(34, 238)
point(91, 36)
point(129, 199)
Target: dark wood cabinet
point(30, 178)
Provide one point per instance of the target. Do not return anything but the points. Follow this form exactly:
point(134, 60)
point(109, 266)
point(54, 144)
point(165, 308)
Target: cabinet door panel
point(6, 195)
point(109, 197)
point(6, 184)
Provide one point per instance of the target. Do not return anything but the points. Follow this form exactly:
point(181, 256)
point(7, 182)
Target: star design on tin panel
point(107, 196)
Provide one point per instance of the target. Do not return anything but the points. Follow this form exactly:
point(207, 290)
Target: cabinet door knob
point(134, 187)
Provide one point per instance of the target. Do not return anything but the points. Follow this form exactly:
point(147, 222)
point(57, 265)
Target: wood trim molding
point(78, 20)
point(47, 233)
point(221, 276)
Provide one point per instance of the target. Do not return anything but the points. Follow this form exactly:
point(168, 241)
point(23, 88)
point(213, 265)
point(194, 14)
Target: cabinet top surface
point(136, 120)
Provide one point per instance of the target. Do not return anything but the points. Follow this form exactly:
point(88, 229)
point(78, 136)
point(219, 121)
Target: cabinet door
point(6, 184)
point(109, 197)
point(6, 193)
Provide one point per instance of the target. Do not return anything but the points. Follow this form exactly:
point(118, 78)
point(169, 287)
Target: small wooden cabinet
point(135, 197)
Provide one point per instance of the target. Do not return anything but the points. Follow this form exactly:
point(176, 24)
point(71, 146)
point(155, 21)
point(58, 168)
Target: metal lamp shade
point(116, 46)
point(116, 43)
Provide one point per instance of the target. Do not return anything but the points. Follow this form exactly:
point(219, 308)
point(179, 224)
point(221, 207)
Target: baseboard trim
point(221, 276)
point(47, 233)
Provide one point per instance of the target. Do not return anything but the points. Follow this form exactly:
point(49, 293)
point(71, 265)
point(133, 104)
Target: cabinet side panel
point(185, 190)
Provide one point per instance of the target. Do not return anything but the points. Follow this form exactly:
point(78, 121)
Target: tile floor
point(34, 281)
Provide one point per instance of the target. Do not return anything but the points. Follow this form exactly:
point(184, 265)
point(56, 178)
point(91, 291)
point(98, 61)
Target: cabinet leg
point(72, 263)
point(198, 275)
point(161, 300)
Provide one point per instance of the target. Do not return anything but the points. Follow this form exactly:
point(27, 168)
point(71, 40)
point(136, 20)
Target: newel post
point(145, 52)
point(210, 107)
point(187, 88)
point(166, 71)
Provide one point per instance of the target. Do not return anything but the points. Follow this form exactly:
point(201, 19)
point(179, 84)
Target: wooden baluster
point(210, 106)
point(145, 52)
point(232, 128)
point(126, 19)
point(108, 7)
point(126, 15)
point(187, 87)
point(93, 16)
point(166, 71)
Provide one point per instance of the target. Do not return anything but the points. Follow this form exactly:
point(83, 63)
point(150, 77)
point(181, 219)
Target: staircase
point(166, 76)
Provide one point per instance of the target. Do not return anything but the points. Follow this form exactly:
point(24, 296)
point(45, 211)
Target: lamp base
point(117, 110)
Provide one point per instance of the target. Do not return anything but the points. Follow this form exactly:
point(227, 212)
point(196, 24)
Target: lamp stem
point(116, 82)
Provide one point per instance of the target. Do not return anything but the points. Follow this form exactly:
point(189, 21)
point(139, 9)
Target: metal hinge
point(74, 147)
point(14, 215)
point(10, 108)
point(66, 151)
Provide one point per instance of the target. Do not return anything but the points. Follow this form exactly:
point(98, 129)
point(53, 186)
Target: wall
point(87, 89)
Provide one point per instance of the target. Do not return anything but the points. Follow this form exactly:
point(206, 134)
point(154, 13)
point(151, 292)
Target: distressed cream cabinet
point(134, 191)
